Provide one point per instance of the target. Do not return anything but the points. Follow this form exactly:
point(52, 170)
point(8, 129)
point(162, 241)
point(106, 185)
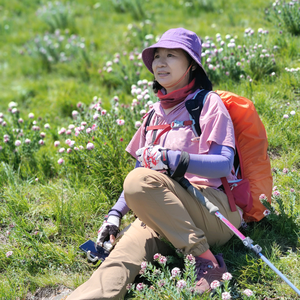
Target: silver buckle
point(176, 124)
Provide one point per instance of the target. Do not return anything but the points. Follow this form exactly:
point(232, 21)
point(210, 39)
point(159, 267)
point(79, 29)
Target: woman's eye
point(156, 56)
point(170, 55)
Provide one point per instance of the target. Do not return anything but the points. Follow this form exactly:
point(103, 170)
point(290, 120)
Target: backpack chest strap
point(168, 127)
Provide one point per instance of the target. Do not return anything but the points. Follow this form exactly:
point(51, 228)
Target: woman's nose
point(161, 62)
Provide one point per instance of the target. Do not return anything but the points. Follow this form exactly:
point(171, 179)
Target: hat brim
point(148, 53)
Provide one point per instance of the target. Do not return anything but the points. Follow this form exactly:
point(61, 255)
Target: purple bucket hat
point(173, 39)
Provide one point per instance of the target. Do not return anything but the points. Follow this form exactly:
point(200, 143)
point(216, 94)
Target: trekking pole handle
point(196, 194)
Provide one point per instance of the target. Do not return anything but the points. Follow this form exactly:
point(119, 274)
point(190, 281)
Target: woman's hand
point(153, 157)
point(109, 230)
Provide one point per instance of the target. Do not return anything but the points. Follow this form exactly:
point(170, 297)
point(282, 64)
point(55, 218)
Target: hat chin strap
point(170, 86)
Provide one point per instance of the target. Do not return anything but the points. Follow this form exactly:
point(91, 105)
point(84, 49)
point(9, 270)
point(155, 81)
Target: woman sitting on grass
point(162, 206)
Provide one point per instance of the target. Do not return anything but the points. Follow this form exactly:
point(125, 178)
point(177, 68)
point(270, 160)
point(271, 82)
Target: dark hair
point(202, 81)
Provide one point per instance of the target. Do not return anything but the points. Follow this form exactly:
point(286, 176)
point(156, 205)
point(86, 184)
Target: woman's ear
point(194, 67)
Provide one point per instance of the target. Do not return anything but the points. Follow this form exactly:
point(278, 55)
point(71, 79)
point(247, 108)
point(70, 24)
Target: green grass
point(47, 210)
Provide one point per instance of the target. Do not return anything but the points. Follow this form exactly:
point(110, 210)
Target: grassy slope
point(53, 95)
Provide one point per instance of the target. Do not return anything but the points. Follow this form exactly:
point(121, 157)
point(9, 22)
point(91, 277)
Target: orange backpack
point(252, 144)
point(251, 159)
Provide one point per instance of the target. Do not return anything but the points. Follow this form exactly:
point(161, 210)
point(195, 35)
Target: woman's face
point(169, 65)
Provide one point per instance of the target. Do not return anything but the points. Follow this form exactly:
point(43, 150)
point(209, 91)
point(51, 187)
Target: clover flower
point(137, 124)
point(215, 284)
point(144, 265)
point(140, 287)
point(31, 116)
point(175, 272)
point(263, 197)
point(227, 276)
point(90, 146)
point(156, 256)
point(9, 253)
point(75, 113)
point(226, 296)
point(120, 122)
point(60, 161)
point(162, 260)
point(17, 143)
point(248, 292)
point(181, 284)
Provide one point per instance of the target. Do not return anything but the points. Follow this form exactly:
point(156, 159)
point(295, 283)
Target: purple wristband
point(216, 164)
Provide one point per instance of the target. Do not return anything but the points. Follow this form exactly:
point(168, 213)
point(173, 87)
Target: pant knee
point(139, 184)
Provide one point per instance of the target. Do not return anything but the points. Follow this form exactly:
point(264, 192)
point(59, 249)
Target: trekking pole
point(214, 210)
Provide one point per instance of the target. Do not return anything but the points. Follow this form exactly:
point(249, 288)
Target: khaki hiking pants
point(168, 211)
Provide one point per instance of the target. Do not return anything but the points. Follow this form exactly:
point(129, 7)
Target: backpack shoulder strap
point(194, 107)
point(149, 117)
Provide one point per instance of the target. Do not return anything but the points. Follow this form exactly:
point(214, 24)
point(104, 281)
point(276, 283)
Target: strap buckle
point(176, 124)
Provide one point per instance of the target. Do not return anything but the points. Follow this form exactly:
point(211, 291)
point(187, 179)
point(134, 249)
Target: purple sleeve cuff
point(121, 205)
point(216, 164)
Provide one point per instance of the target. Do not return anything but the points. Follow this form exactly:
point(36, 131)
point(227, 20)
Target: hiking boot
point(207, 272)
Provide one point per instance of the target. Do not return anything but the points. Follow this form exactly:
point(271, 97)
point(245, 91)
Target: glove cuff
point(114, 220)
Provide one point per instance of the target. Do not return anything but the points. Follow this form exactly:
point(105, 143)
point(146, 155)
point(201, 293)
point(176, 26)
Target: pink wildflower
point(62, 130)
point(191, 258)
point(9, 253)
point(60, 161)
point(96, 116)
point(88, 130)
point(90, 146)
point(266, 212)
point(41, 142)
point(156, 256)
point(285, 170)
point(128, 286)
point(47, 126)
point(69, 150)
point(75, 113)
point(227, 276)
point(292, 190)
point(263, 197)
point(226, 296)
point(181, 284)
point(31, 116)
point(248, 292)
point(20, 120)
point(137, 124)
point(17, 143)
point(56, 143)
point(103, 112)
point(140, 287)
point(144, 265)
point(161, 283)
point(215, 284)
point(94, 126)
point(120, 122)
point(276, 193)
point(162, 260)
point(175, 272)
point(42, 134)
point(285, 116)
point(61, 150)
